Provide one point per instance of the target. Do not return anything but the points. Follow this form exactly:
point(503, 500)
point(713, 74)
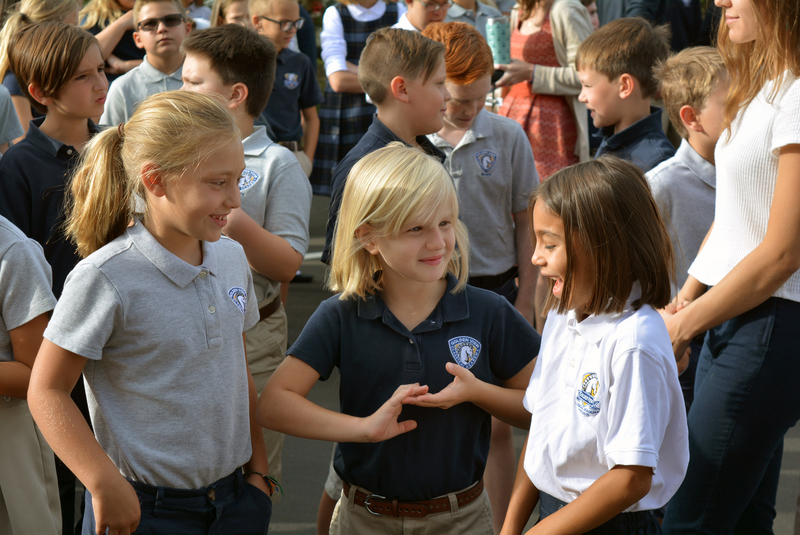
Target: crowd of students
point(631, 309)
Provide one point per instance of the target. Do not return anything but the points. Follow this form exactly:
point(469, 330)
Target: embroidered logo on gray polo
point(239, 298)
point(249, 177)
point(291, 80)
point(486, 160)
point(585, 400)
point(465, 350)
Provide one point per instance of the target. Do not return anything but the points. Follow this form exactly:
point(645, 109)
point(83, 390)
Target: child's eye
point(444, 223)
point(549, 247)
point(415, 229)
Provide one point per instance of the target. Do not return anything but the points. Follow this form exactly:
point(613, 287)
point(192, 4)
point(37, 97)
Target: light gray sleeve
point(116, 108)
point(25, 282)
point(9, 122)
point(251, 315)
point(524, 176)
point(288, 206)
point(88, 313)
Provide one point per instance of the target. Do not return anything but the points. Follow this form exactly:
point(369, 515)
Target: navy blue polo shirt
point(643, 143)
point(295, 89)
point(33, 174)
point(375, 354)
point(377, 137)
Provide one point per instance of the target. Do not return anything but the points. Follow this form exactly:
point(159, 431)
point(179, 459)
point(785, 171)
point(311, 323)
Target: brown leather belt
point(293, 146)
point(269, 309)
point(378, 505)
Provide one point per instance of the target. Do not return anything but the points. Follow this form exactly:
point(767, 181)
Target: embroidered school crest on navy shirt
point(239, 298)
point(465, 350)
point(587, 394)
point(486, 160)
point(249, 177)
point(291, 80)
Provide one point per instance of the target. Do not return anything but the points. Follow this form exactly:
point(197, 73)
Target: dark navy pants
point(746, 398)
point(636, 523)
point(230, 506)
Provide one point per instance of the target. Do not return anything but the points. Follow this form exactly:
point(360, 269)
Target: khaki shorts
point(472, 519)
point(266, 349)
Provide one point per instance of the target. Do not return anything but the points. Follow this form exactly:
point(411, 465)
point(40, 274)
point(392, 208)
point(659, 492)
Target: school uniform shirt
point(456, 13)
point(493, 170)
point(643, 143)
point(404, 24)
point(277, 195)
point(375, 353)
point(295, 89)
point(33, 175)
point(166, 377)
point(605, 392)
point(130, 89)
point(10, 129)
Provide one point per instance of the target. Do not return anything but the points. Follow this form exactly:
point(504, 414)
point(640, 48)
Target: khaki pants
point(29, 501)
point(266, 349)
point(473, 519)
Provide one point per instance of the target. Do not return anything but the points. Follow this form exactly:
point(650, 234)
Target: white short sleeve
point(786, 128)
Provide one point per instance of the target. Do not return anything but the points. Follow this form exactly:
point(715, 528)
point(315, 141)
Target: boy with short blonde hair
point(615, 66)
point(159, 27)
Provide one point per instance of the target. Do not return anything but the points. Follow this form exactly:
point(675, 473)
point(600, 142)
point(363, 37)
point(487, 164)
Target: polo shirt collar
point(596, 326)
point(51, 146)
point(456, 11)
point(643, 127)
point(154, 75)
point(451, 307)
point(386, 136)
point(358, 10)
point(702, 168)
point(179, 272)
point(282, 55)
point(256, 143)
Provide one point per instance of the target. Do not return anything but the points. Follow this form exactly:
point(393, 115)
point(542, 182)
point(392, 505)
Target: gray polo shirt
point(129, 90)
point(166, 376)
point(277, 194)
point(24, 283)
point(456, 13)
point(684, 188)
point(493, 170)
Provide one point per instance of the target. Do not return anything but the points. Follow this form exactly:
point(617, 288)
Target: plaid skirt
point(344, 119)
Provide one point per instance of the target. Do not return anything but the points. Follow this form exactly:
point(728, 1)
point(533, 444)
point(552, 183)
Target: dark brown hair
point(47, 55)
point(238, 55)
point(606, 205)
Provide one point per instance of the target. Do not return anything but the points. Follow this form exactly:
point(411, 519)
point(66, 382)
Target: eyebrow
point(547, 232)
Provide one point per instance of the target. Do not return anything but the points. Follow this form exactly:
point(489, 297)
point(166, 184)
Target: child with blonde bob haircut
point(402, 327)
point(181, 154)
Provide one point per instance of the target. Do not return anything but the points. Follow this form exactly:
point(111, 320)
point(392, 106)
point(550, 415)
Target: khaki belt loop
point(455, 511)
point(351, 496)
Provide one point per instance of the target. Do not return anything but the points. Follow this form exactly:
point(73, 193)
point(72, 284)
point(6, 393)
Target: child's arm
point(23, 108)
point(258, 460)
point(283, 407)
point(267, 253)
point(110, 36)
point(615, 491)
point(25, 341)
point(526, 295)
point(524, 497)
point(54, 375)
point(310, 131)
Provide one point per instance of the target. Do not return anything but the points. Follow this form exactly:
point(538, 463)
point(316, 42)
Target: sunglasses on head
point(151, 25)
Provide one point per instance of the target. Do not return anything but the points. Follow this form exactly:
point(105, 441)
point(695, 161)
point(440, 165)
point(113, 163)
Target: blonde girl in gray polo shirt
point(160, 338)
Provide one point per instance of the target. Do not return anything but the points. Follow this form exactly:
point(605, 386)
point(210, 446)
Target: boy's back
point(295, 89)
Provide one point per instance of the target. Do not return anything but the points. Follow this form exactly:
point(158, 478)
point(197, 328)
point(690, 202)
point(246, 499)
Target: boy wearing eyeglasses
point(296, 90)
point(159, 27)
point(421, 13)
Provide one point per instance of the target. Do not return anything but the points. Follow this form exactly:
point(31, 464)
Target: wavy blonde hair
point(102, 12)
point(387, 190)
point(751, 65)
point(176, 130)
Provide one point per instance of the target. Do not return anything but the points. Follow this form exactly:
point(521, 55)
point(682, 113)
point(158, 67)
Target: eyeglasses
point(286, 25)
point(151, 25)
point(434, 7)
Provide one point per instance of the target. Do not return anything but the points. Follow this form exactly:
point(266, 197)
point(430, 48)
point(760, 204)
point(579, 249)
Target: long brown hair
point(751, 65)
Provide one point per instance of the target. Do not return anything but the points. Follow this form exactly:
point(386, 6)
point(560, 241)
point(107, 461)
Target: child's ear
point(39, 96)
point(399, 89)
point(239, 93)
point(627, 85)
point(690, 118)
point(137, 40)
point(153, 179)
point(364, 236)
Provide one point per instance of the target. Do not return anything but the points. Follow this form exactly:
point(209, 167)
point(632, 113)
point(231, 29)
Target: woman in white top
point(745, 285)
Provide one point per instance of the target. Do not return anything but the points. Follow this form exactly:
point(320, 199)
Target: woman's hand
point(515, 72)
point(383, 424)
point(456, 392)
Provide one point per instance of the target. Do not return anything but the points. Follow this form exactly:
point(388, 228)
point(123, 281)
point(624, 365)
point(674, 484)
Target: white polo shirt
point(605, 392)
point(129, 90)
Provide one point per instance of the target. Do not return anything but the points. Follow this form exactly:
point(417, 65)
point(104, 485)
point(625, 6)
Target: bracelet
point(271, 482)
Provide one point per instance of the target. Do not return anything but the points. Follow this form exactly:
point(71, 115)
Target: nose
point(436, 240)
point(582, 96)
point(234, 199)
point(446, 93)
point(537, 259)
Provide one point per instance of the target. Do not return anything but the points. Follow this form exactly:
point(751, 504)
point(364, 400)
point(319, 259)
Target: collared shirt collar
point(404, 24)
point(451, 307)
point(642, 127)
point(154, 75)
point(51, 146)
point(256, 143)
point(702, 168)
point(357, 10)
point(456, 11)
point(596, 326)
point(283, 54)
point(175, 269)
point(481, 128)
point(382, 132)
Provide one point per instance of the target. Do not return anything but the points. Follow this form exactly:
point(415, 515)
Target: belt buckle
point(367, 504)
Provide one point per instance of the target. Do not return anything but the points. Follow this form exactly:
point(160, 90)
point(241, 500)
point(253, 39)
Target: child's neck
point(704, 146)
point(367, 3)
point(398, 124)
point(452, 134)
point(67, 130)
point(469, 5)
point(245, 124)
point(635, 110)
point(411, 302)
point(166, 64)
point(188, 249)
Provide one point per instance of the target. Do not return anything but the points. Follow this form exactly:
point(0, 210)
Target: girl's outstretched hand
point(116, 507)
point(383, 424)
point(456, 392)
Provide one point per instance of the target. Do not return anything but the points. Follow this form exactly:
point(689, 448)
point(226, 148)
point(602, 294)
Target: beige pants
point(305, 163)
point(473, 519)
point(29, 501)
point(266, 349)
